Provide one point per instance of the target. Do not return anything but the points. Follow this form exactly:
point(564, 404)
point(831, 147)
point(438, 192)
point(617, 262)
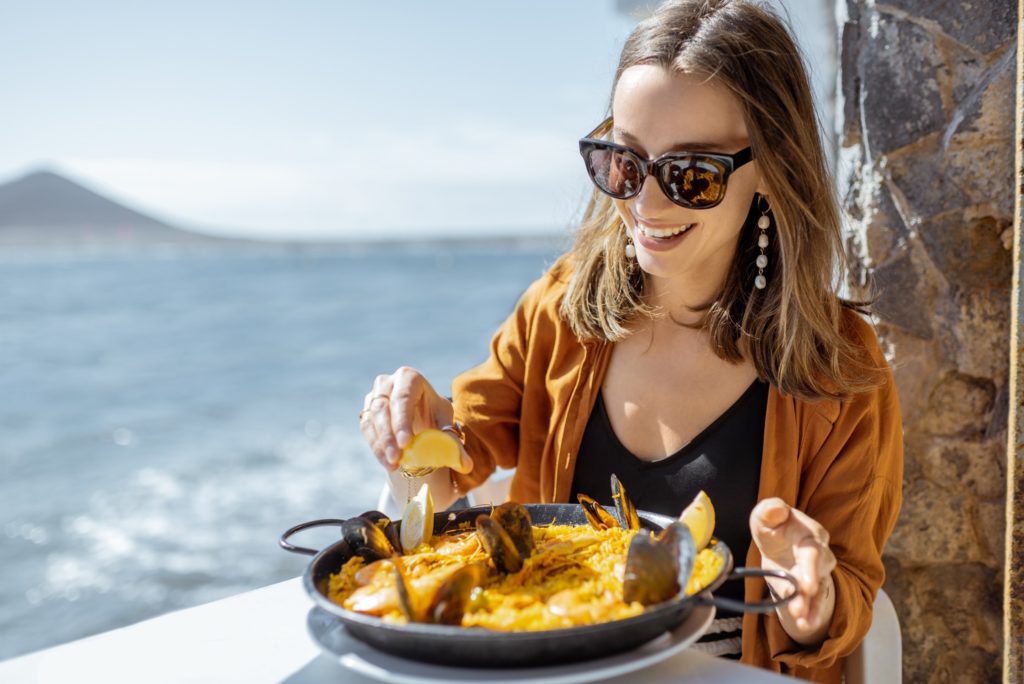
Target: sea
point(165, 416)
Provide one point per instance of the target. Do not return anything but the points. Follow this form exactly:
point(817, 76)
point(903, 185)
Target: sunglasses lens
point(695, 183)
point(615, 173)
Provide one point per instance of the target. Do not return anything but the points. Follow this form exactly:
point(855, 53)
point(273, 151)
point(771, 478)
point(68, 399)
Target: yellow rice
point(573, 577)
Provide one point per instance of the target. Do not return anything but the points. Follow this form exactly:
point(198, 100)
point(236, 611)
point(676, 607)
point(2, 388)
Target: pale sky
point(330, 119)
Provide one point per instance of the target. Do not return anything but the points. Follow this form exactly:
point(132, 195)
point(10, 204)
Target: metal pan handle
point(743, 607)
point(288, 546)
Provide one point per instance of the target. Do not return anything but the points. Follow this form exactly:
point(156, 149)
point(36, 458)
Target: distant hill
point(45, 208)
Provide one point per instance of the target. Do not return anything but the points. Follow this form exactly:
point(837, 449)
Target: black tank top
point(724, 460)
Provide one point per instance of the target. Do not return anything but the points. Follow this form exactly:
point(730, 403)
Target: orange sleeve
point(488, 398)
point(852, 486)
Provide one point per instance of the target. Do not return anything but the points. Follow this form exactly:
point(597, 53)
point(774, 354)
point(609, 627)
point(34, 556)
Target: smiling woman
point(693, 339)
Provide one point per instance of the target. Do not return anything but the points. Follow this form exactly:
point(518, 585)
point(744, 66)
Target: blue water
point(163, 418)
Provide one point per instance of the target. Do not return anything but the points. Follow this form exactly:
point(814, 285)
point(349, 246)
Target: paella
point(506, 572)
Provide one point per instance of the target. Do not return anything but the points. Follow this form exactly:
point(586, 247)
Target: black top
point(724, 460)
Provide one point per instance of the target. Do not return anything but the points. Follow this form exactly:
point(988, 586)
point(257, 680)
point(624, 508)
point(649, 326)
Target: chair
point(879, 658)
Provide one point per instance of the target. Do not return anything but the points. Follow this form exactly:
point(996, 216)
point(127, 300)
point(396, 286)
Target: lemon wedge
point(431, 448)
point(418, 520)
point(699, 516)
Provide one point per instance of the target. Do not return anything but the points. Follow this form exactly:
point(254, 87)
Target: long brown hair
point(793, 329)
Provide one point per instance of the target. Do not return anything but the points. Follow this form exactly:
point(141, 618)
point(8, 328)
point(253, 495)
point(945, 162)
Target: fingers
point(393, 411)
point(770, 513)
point(769, 530)
point(375, 422)
point(465, 465)
point(793, 541)
point(806, 573)
point(407, 404)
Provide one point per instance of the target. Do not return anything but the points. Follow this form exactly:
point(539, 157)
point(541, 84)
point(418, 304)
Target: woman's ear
point(761, 188)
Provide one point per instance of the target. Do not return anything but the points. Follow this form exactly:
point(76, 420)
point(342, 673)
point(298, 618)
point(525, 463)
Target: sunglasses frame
point(731, 162)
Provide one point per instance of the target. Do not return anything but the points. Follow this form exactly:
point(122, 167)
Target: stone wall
point(927, 175)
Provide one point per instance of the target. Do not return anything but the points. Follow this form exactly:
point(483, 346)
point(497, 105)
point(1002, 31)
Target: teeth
point(664, 232)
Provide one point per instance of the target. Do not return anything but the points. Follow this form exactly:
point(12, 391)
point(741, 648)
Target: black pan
point(477, 647)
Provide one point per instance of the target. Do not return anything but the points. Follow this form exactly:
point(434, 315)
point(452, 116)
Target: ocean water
point(163, 418)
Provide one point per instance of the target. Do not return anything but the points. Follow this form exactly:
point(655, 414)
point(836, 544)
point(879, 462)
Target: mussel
point(657, 568)
point(514, 519)
point(449, 602)
point(386, 526)
point(507, 535)
point(627, 511)
point(598, 518)
point(366, 539)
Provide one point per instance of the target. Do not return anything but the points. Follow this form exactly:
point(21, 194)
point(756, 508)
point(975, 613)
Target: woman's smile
point(659, 239)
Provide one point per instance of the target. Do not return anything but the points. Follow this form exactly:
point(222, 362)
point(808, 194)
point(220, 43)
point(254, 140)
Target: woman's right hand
point(399, 406)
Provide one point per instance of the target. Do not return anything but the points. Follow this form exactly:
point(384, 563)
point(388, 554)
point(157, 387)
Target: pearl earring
point(764, 222)
point(630, 250)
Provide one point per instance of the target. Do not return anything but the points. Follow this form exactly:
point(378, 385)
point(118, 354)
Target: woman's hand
point(399, 406)
point(791, 540)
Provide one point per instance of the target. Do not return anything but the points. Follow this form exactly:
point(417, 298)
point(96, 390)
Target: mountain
point(45, 208)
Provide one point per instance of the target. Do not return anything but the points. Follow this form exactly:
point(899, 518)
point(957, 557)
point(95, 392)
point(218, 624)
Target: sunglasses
point(695, 180)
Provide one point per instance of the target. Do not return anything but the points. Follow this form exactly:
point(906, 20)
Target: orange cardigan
point(527, 405)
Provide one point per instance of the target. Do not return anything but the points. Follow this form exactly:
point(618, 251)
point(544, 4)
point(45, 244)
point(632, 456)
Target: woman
point(693, 339)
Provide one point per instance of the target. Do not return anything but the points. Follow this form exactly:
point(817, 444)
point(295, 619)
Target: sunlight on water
point(169, 418)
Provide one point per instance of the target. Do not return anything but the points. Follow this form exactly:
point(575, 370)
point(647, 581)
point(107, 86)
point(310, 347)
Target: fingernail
point(403, 438)
point(392, 454)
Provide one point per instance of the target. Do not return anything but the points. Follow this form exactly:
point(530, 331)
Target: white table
point(260, 636)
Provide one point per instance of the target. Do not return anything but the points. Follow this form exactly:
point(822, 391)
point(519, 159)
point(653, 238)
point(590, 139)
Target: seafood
point(508, 573)
point(507, 534)
point(366, 539)
point(657, 568)
point(598, 518)
point(627, 511)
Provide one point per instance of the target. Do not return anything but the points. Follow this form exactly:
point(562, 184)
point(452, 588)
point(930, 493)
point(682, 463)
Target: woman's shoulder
point(859, 330)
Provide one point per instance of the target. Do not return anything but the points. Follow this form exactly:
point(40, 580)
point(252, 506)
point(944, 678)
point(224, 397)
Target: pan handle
point(742, 607)
point(288, 546)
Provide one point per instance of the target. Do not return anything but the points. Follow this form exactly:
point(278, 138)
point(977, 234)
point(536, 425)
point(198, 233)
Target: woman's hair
point(793, 328)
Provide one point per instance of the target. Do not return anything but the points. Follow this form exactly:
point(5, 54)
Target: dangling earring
point(764, 222)
point(630, 250)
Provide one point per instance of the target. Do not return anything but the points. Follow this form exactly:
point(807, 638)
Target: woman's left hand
point(793, 541)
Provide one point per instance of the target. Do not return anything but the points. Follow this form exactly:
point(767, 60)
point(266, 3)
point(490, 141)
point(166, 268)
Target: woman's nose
point(651, 199)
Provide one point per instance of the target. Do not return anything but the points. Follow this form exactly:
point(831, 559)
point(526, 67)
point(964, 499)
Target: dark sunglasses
point(695, 180)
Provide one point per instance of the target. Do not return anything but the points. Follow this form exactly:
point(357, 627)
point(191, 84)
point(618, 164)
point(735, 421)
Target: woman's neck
point(683, 298)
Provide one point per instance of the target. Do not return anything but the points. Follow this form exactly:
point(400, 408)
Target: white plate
point(330, 635)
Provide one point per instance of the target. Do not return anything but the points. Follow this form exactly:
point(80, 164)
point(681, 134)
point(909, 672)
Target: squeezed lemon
point(431, 449)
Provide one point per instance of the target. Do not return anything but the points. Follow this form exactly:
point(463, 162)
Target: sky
point(323, 119)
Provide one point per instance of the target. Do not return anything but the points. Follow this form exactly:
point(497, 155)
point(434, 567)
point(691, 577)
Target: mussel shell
point(406, 599)
point(651, 572)
point(679, 540)
point(514, 519)
point(624, 505)
point(499, 545)
point(451, 598)
point(366, 539)
point(386, 525)
point(598, 518)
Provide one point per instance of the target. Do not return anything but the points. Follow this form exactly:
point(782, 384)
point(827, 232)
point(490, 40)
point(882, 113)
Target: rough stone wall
point(926, 167)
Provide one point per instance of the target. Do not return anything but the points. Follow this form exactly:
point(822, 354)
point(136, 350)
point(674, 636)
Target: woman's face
point(656, 112)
